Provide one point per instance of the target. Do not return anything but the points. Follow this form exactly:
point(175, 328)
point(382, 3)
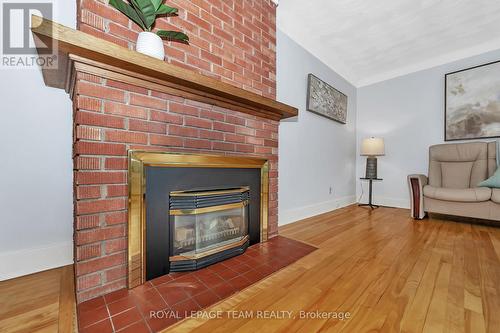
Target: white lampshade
point(372, 147)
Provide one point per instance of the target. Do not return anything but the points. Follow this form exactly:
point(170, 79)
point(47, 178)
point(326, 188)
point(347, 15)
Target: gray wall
point(408, 112)
point(315, 153)
point(36, 177)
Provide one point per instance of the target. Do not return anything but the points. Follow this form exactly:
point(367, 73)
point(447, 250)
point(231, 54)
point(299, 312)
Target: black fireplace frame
point(161, 181)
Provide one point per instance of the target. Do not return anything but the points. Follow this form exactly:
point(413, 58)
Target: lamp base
point(371, 168)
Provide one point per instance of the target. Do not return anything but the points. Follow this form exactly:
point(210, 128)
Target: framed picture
point(472, 103)
point(325, 100)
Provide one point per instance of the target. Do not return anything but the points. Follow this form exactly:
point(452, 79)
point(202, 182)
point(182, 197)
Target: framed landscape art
point(325, 100)
point(472, 103)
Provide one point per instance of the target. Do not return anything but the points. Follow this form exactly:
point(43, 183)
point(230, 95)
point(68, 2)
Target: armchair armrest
point(416, 184)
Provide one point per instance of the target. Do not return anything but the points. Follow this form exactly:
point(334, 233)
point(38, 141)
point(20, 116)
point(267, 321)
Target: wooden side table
point(370, 194)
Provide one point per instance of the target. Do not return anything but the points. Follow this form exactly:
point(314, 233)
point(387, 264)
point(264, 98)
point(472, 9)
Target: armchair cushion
point(495, 195)
point(456, 174)
point(458, 165)
point(476, 194)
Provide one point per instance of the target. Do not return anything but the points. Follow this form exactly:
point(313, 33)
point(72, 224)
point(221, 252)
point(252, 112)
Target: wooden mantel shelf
point(93, 55)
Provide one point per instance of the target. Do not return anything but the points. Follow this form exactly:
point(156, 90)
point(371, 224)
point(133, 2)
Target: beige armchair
point(451, 188)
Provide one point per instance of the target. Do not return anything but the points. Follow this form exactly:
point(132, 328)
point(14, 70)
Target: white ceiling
point(368, 41)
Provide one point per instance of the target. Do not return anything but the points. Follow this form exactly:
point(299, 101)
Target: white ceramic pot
point(151, 44)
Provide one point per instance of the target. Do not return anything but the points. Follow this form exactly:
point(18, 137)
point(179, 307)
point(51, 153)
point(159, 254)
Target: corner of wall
point(297, 214)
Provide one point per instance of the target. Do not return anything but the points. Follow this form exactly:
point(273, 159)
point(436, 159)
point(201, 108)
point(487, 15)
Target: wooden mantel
point(100, 57)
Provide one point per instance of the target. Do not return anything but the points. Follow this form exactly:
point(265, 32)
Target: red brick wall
point(233, 41)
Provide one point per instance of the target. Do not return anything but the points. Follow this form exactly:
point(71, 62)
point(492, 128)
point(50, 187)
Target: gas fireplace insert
point(207, 225)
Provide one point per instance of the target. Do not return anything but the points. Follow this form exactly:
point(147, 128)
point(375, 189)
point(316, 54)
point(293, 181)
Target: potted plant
point(144, 14)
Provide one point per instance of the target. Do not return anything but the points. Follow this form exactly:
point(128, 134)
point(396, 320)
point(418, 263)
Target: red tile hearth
point(180, 293)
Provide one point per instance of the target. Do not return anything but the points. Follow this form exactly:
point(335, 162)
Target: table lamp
point(372, 147)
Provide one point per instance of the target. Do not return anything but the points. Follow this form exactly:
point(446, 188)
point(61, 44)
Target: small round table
point(370, 204)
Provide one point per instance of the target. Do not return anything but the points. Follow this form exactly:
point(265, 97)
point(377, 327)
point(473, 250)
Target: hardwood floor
point(390, 273)
point(40, 302)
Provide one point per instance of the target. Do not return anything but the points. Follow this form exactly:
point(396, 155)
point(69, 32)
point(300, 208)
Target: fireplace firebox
point(207, 225)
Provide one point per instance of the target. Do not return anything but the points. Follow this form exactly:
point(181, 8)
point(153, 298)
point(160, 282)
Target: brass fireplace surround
point(137, 189)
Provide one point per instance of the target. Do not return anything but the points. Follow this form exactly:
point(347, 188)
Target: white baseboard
point(23, 262)
point(297, 214)
point(391, 202)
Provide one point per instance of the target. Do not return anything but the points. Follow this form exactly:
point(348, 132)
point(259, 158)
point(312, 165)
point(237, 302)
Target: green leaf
point(166, 10)
point(157, 3)
point(175, 36)
point(128, 10)
point(146, 10)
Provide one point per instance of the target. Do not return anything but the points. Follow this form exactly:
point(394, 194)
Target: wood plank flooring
point(40, 302)
point(392, 274)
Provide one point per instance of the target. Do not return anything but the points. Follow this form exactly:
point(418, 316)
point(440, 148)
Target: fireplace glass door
point(206, 222)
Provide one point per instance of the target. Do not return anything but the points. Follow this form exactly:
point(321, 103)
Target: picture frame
point(323, 99)
point(472, 103)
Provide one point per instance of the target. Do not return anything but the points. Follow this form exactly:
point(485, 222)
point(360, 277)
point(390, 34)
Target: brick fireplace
point(231, 41)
